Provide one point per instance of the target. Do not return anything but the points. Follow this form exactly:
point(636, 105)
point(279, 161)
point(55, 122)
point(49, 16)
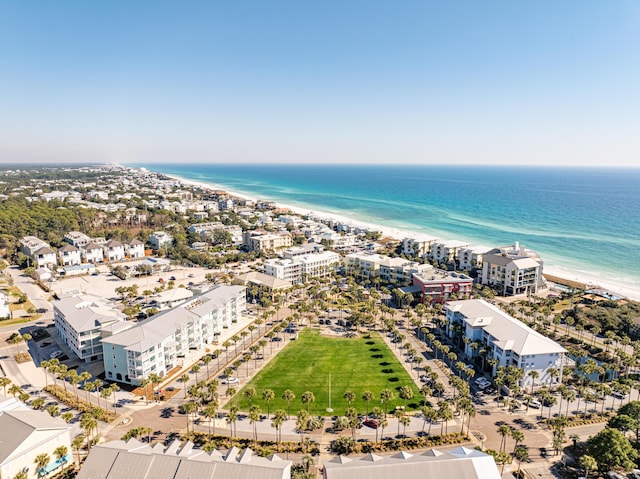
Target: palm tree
point(21, 475)
point(114, 389)
point(4, 382)
point(67, 416)
point(15, 390)
point(61, 455)
point(195, 369)
point(518, 437)
point(521, 454)
point(250, 393)
point(588, 463)
point(504, 431)
point(386, 395)
point(184, 379)
point(349, 396)
point(188, 408)
point(533, 374)
point(308, 398)
point(279, 416)
point(267, 396)
point(42, 461)
point(367, 396)
point(232, 418)
point(53, 410)
point(76, 444)
point(210, 412)
point(428, 414)
point(145, 383)
point(155, 379)
point(255, 417)
point(445, 414)
point(88, 423)
point(406, 393)
point(288, 395)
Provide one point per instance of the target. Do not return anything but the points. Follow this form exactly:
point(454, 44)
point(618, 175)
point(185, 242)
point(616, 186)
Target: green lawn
point(357, 364)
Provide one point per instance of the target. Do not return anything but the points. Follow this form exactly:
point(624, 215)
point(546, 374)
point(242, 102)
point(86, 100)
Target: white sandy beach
point(617, 287)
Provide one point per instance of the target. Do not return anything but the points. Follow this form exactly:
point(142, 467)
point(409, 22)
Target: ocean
point(583, 220)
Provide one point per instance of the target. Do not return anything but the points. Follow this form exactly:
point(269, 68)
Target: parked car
point(534, 403)
point(372, 423)
point(230, 380)
point(276, 339)
point(55, 354)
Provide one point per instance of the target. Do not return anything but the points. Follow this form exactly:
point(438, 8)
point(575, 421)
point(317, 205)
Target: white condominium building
point(364, 265)
point(297, 269)
point(261, 241)
point(505, 339)
point(156, 345)
point(446, 251)
point(81, 321)
point(513, 270)
point(400, 270)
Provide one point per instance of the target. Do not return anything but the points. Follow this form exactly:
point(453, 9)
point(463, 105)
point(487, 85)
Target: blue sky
point(545, 82)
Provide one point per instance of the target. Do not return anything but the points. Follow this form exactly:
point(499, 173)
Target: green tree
point(504, 431)
point(367, 396)
point(349, 396)
point(406, 393)
point(254, 418)
point(61, 454)
point(588, 463)
point(307, 398)
point(386, 395)
point(288, 395)
point(42, 461)
point(267, 396)
point(612, 450)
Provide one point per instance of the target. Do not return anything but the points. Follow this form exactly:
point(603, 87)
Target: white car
point(55, 354)
point(231, 380)
point(535, 404)
point(482, 381)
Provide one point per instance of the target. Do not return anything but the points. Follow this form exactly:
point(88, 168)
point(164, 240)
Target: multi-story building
point(27, 434)
point(513, 270)
point(400, 271)
point(114, 250)
point(286, 269)
point(134, 248)
point(156, 345)
point(77, 239)
point(69, 255)
point(261, 241)
point(364, 265)
point(80, 322)
point(30, 244)
point(160, 239)
point(446, 251)
point(505, 339)
point(92, 253)
point(417, 247)
point(44, 257)
point(438, 286)
point(319, 265)
point(472, 257)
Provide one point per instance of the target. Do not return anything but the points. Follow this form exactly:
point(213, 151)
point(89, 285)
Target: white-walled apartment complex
point(513, 270)
point(505, 339)
point(157, 344)
point(81, 321)
point(299, 267)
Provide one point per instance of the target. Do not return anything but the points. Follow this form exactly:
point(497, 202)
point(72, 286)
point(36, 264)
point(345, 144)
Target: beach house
point(513, 270)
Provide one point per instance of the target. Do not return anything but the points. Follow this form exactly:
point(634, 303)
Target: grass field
point(356, 364)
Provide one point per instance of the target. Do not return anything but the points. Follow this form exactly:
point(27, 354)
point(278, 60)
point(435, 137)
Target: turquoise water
point(585, 220)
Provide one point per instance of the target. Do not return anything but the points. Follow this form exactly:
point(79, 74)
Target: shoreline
point(593, 280)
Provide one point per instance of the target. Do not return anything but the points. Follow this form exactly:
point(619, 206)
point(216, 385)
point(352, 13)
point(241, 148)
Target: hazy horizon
point(420, 82)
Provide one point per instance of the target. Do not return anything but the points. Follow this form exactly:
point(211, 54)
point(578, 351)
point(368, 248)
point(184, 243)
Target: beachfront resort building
point(27, 434)
point(513, 270)
point(364, 265)
point(159, 344)
point(261, 241)
point(438, 286)
point(81, 320)
point(446, 251)
point(505, 339)
point(417, 247)
point(460, 462)
point(299, 268)
point(400, 271)
point(472, 257)
point(134, 459)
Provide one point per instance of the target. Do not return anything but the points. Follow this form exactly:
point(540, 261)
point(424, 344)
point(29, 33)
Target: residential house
point(160, 239)
point(30, 244)
point(134, 248)
point(70, 255)
point(77, 239)
point(114, 250)
point(446, 251)
point(493, 334)
point(45, 257)
point(92, 253)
